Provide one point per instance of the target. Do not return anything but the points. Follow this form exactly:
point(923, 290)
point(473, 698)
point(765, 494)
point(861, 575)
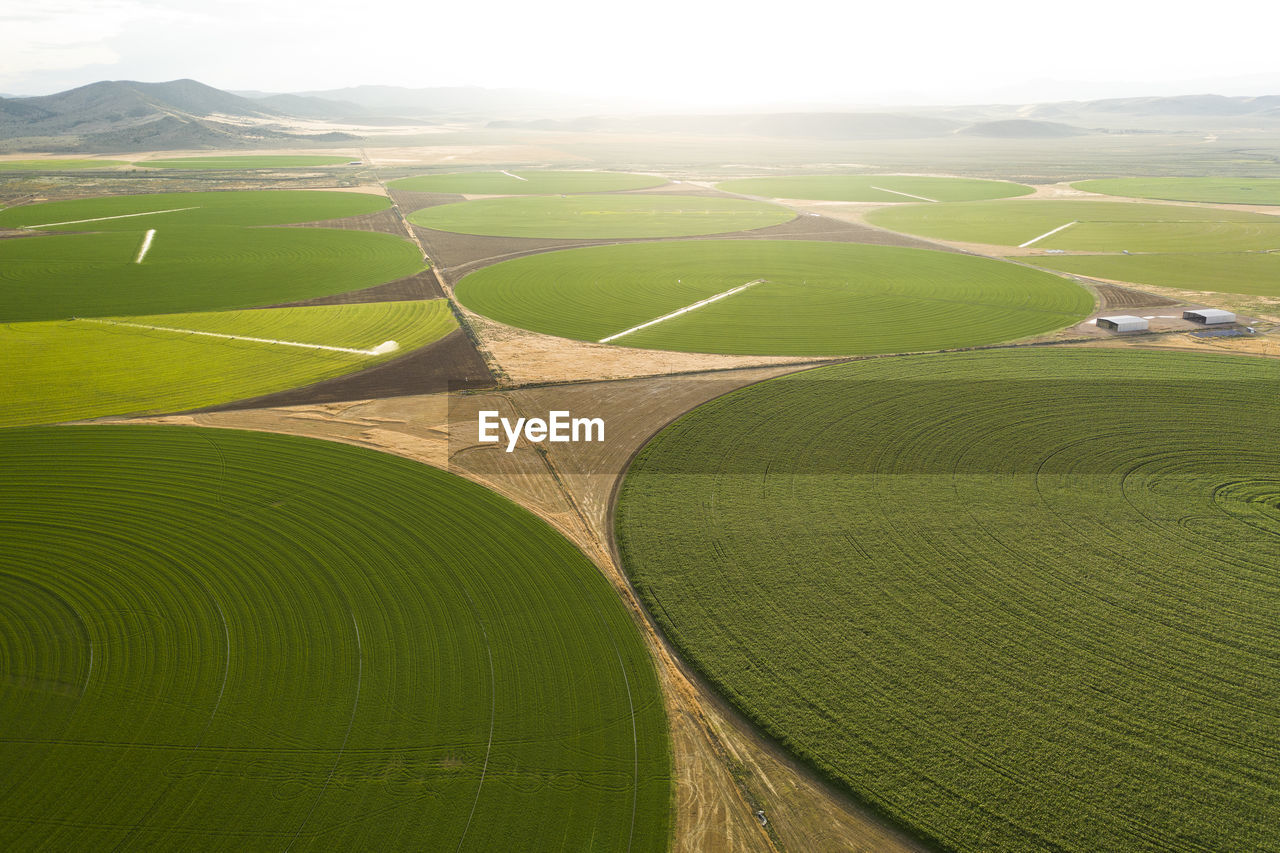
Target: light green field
point(241, 207)
point(601, 216)
point(55, 165)
point(189, 268)
point(1216, 190)
point(219, 640)
point(58, 371)
point(533, 183)
point(1021, 600)
point(818, 298)
point(887, 188)
point(1102, 226)
point(246, 161)
point(1251, 273)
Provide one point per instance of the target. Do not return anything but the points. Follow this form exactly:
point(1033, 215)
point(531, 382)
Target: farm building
point(1209, 316)
point(1123, 323)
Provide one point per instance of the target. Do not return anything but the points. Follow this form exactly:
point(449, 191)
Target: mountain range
point(126, 115)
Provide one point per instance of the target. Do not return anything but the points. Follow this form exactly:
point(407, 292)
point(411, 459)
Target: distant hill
point(1183, 106)
point(1022, 128)
point(122, 114)
point(824, 125)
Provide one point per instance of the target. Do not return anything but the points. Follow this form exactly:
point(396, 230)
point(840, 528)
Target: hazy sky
point(685, 51)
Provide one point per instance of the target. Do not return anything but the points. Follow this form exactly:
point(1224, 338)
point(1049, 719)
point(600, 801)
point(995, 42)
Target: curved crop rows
point(224, 640)
point(879, 188)
point(601, 216)
point(526, 183)
point(1101, 226)
point(57, 165)
point(1020, 601)
point(57, 371)
point(191, 268)
point(815, 298)
point(1217, 190)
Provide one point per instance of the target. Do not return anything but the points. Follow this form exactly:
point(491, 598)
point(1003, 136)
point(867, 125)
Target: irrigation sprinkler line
point(380, 349)
point(685, 310)
point(517, 177)
point(105, 218)
point(1047, 234)
point(146, 246)
point(908, 195)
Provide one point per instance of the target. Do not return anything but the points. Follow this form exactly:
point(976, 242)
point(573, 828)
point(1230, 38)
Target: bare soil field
point(450, 362)
point(423, 285)
point(381, 222)
point(408, 200)
point(1115, 297)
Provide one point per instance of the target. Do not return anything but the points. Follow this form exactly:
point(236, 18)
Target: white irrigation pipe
point(908, 195)
point(380, 349)
point(684, 310)
point(1047, 234)
point(517, 177)
point(105, 218)
point(146, 245)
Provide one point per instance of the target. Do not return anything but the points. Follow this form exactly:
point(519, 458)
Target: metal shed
point(1209, 316)
point(1123, 323)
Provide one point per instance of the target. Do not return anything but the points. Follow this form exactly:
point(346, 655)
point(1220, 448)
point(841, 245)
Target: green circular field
point(161, 210)
point(1215, 190)
point(803, 298)
point(1249, 273)
point(601, 217)
point(90, 367)
point(526, 182)
point(226, 640)
point(246, 161)
point(1018, 600)
point(198, 257)
point(56, 165)
point(879, 188)
point(1087, 226)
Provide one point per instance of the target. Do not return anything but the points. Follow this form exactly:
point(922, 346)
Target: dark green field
point(879, 188)
point(225, 640)
point(601, 216)
point(1020, 600)
point(815, 298)
point(522, 182)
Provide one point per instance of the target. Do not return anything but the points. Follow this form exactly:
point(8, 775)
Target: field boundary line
point(908, 195)
point(685, 310)
point(146, 246)
point(380, 349)
point(1047, 234)
point(105, 218)
point(517, 177)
